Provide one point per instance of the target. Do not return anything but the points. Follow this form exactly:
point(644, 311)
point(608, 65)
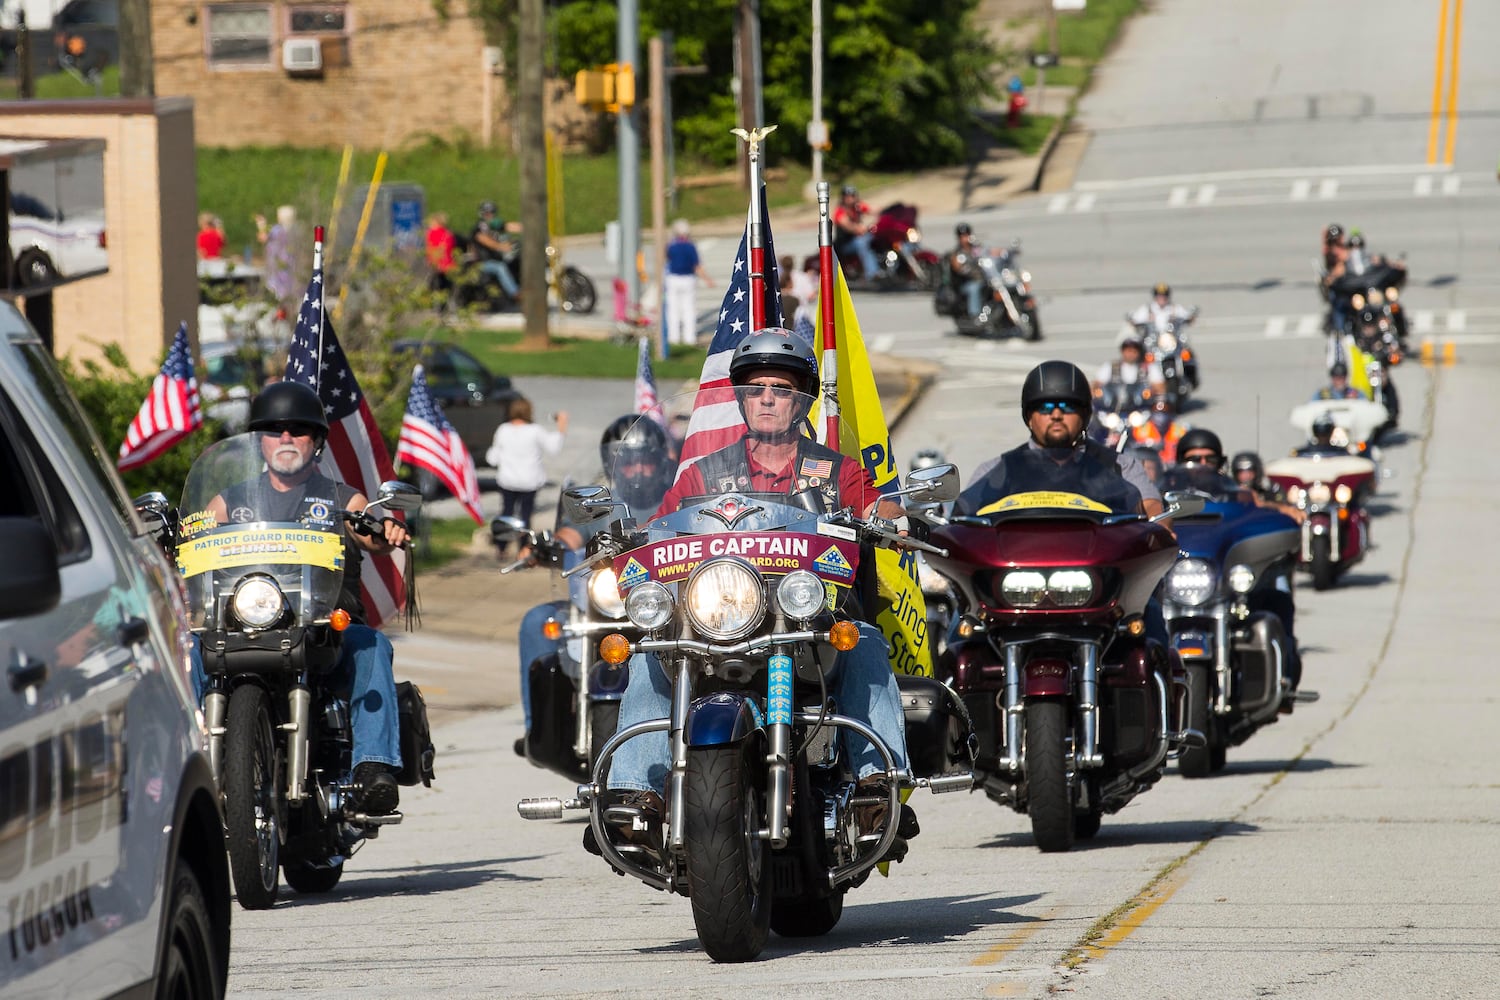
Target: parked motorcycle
point(263, 601)
point(568, 288)
point(897, 243)
point(1076, 710)
point(1224, 601)
point(744, 598)
point(1009, 306)
point(1331, 490)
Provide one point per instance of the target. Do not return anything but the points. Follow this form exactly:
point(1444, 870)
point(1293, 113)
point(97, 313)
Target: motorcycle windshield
point(247, 565)
point(1045, 503)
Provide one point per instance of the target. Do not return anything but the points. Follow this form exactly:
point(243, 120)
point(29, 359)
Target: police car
point(113, 878)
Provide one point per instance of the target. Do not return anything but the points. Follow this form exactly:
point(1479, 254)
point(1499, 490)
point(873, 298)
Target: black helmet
point(1338, 370)
point(1199, 439)
point(1247, 461)
point(1334, 231)
point(927, 458)
point(850, 191)
point(487, 208)
point(1323, 425)
point(776, 347)
point(638, 443)
point(963, 229)
point(288, 403)
point(1055, 380)
point(1162, 288)
point(1357, 240)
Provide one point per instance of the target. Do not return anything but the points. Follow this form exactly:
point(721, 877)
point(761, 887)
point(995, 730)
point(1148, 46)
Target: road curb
point(1050, 144)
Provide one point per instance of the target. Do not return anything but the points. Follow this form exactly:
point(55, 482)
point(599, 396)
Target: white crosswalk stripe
point(1206, 193)
point(1458, 321)
point(1328, 187)
point(1421, 321)
point(1422, 186)
point(1451, 184)
point(1178, 197)
point(1276, 327)
point(1059, 203)
point(1301, 189)
point(1085, 201)
point(1309, 325)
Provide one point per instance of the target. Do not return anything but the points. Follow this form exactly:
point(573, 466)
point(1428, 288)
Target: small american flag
point(646, 399)
point(355, 452)
point(428, 441)
point(171, 411)
point(716, 419)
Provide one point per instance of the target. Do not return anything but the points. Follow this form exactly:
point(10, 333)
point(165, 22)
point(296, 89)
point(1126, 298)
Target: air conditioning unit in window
point(302, 55)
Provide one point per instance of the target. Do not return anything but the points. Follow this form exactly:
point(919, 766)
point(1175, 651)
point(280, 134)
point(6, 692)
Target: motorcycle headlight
point(1241, 579)
point(1357, 301)
point(257, 602)
point(1070, 588)
point(1319, 493)
point(1167, 342)
point(1008, 276)
point(649, 606)
point(724, 600)
point(1023, 588)
point(604, 593)
point(1026, 277)
point(1343, 494)
point(800, 594)
point(1294, 494)
point(1376, 298)
point(914, 235)
point(1392, 294)
point(1191, 582)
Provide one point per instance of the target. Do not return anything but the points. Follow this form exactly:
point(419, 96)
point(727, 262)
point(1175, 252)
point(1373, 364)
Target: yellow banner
point(900, 611)
point(1044, 499)
point(1359, 376)
point(254, 545)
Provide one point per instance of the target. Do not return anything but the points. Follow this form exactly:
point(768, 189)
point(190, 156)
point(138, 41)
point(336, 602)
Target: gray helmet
point(1059, 381)
point(927, 458)
point(850, 191)
point(776, 347)
point(288, 403)
point(639, 444)
point(1248, 461)
point(487, 208)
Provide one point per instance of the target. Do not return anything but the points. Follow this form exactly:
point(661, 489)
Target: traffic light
point(608, 88)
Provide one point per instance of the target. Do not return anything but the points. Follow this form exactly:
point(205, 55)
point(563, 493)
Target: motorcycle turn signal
point(614, 648)
point(339, 620)
point(843, 636)
point(552, 629)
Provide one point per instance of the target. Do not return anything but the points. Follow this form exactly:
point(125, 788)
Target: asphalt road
point(1344, 851)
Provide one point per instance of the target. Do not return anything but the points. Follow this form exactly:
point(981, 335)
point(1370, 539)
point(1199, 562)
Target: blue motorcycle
point(1229, 608)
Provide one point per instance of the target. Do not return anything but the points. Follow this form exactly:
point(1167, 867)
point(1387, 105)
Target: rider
point(963, 269)
point(1338, 386)
point(853, 234)
point(1322, 443)
point(636, 459)
point(1160, 311)
point(492, 244)
point(1131, 369)
point(289, 421)
point(769, 369)
point(1162, 432)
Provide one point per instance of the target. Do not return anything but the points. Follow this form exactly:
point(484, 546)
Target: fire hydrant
point(1017, 103)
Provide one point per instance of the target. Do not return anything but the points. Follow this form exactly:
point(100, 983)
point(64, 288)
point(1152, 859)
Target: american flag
point(171, 411)
point(355, 452)
point(716, 418)
point(428, 441)
point(646, 399)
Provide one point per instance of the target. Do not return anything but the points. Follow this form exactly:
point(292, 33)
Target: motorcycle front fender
point(721, 719)
point(1048, 678)
point(607, 681)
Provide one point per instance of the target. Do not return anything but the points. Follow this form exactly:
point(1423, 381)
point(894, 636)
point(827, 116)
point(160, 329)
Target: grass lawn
point(55, 86)
point(581, 358)
point(1082, 39)
point(441, 541)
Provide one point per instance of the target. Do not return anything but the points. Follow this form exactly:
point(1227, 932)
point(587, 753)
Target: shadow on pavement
point(1308, 765)
point(1113, 835)
point(423, 880)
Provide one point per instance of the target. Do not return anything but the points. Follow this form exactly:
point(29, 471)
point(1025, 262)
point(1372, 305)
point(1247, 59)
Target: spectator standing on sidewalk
point(684, 269)
point(210, 237)
point(517, 453)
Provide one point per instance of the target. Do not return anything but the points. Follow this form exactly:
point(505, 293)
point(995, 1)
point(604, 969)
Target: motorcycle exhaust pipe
point(299, 705)
point(215, 707)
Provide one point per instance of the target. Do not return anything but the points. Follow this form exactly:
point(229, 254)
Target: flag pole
point(322, 301)
point(830, 368)
point(757, 242)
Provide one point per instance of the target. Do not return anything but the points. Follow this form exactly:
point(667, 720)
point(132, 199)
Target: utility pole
point(658, 63)
point(533, 148)
point(137, 64)
point(25, 78)
point(627, 55)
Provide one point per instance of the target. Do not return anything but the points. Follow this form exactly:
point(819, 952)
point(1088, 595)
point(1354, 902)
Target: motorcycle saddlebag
point(937, 725)
point(417, 753)
point(554, 716)
point(945, 300)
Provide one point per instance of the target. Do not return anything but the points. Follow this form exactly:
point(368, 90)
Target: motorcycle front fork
point(1086, 752)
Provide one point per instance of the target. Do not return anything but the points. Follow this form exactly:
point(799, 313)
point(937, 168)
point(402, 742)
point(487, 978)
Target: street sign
point(1044, 60)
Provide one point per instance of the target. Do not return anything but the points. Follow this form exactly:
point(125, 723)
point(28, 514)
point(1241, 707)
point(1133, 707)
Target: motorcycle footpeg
point(958, 781)
point(551, 808)
point(1307, 696)
point(1189, 739)
point(364, 819)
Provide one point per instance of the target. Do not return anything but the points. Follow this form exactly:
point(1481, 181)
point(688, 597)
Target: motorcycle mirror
point(506, 529)
point(934, 484)
point(153, 505)
point(396, 495)
point(1182, 503)
point(587, 504)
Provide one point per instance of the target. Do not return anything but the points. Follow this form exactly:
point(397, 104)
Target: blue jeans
point(533, 645)
point(364, 676)
point(861, 246)
point(862, 684)
point(501, 273)
point(973, 290)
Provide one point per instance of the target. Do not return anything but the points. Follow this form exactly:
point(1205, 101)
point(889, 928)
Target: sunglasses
point(755, 391)
point(1055, 406)
point(295, 430)
point(1204, 457)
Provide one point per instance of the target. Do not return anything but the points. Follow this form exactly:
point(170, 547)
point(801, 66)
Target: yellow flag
point(1359, 376)
point(900, 612)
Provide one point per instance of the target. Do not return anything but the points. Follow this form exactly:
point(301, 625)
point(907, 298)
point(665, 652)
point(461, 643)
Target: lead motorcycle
point(1076, 710)
point(745, 598)
point(263, 599)
point(1223, 601)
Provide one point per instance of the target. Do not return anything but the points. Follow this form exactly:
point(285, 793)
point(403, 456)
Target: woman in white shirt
point(516, 454)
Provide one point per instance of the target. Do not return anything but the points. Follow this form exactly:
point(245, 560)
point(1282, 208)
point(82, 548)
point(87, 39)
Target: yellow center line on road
point(1145, 903)
point(1006, 945)
point(1437, 85)
point(1458, 27)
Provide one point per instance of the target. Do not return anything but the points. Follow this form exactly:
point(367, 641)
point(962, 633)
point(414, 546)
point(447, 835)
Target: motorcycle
point(1179, 366)
point(897, 243)
point(1358, 422)
point(742, 596)
point(569, 288)
point(1330, 489)
point(1008, 308)
point(1378, 287)
point(263, 601)
point(1076, 710)
point(1223, 607)
point(1377, 338)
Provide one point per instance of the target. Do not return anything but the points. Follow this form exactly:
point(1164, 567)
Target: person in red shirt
point(210, 237)
point(853, 232)
point(441, 247)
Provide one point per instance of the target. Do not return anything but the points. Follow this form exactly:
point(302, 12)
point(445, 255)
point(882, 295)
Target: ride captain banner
point(772, 552)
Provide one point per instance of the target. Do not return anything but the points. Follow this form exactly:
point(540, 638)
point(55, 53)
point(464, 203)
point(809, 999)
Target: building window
point(239, 35)
point(327, 22)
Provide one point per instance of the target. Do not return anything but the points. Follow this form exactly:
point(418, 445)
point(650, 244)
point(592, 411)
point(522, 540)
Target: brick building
point(374, 73)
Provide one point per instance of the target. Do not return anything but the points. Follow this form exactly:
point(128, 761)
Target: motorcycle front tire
point(1197, 762)
point(1324, 570)
point(1049, 797)
point(251, 813)
point(578, 295)
point(1031, 326)
point(809, 917)
point(728, 865)
point(310, 879)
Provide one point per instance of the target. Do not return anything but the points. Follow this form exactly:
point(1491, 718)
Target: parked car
point(234, 307)
point(475, 400)
point(232, 374)
point(48, 247)
point(111, 836)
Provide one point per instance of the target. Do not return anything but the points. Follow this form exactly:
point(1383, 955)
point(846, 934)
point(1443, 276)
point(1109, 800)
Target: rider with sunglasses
point(1055, 404)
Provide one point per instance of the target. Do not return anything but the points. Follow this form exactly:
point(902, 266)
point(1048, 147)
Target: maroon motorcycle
point(1075, 708)
point(904, 261)
point(1330, 488)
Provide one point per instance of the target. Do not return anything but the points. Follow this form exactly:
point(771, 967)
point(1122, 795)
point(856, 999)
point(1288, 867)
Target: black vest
point(728, 471)
point(1093, 473)
point(317, 502)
